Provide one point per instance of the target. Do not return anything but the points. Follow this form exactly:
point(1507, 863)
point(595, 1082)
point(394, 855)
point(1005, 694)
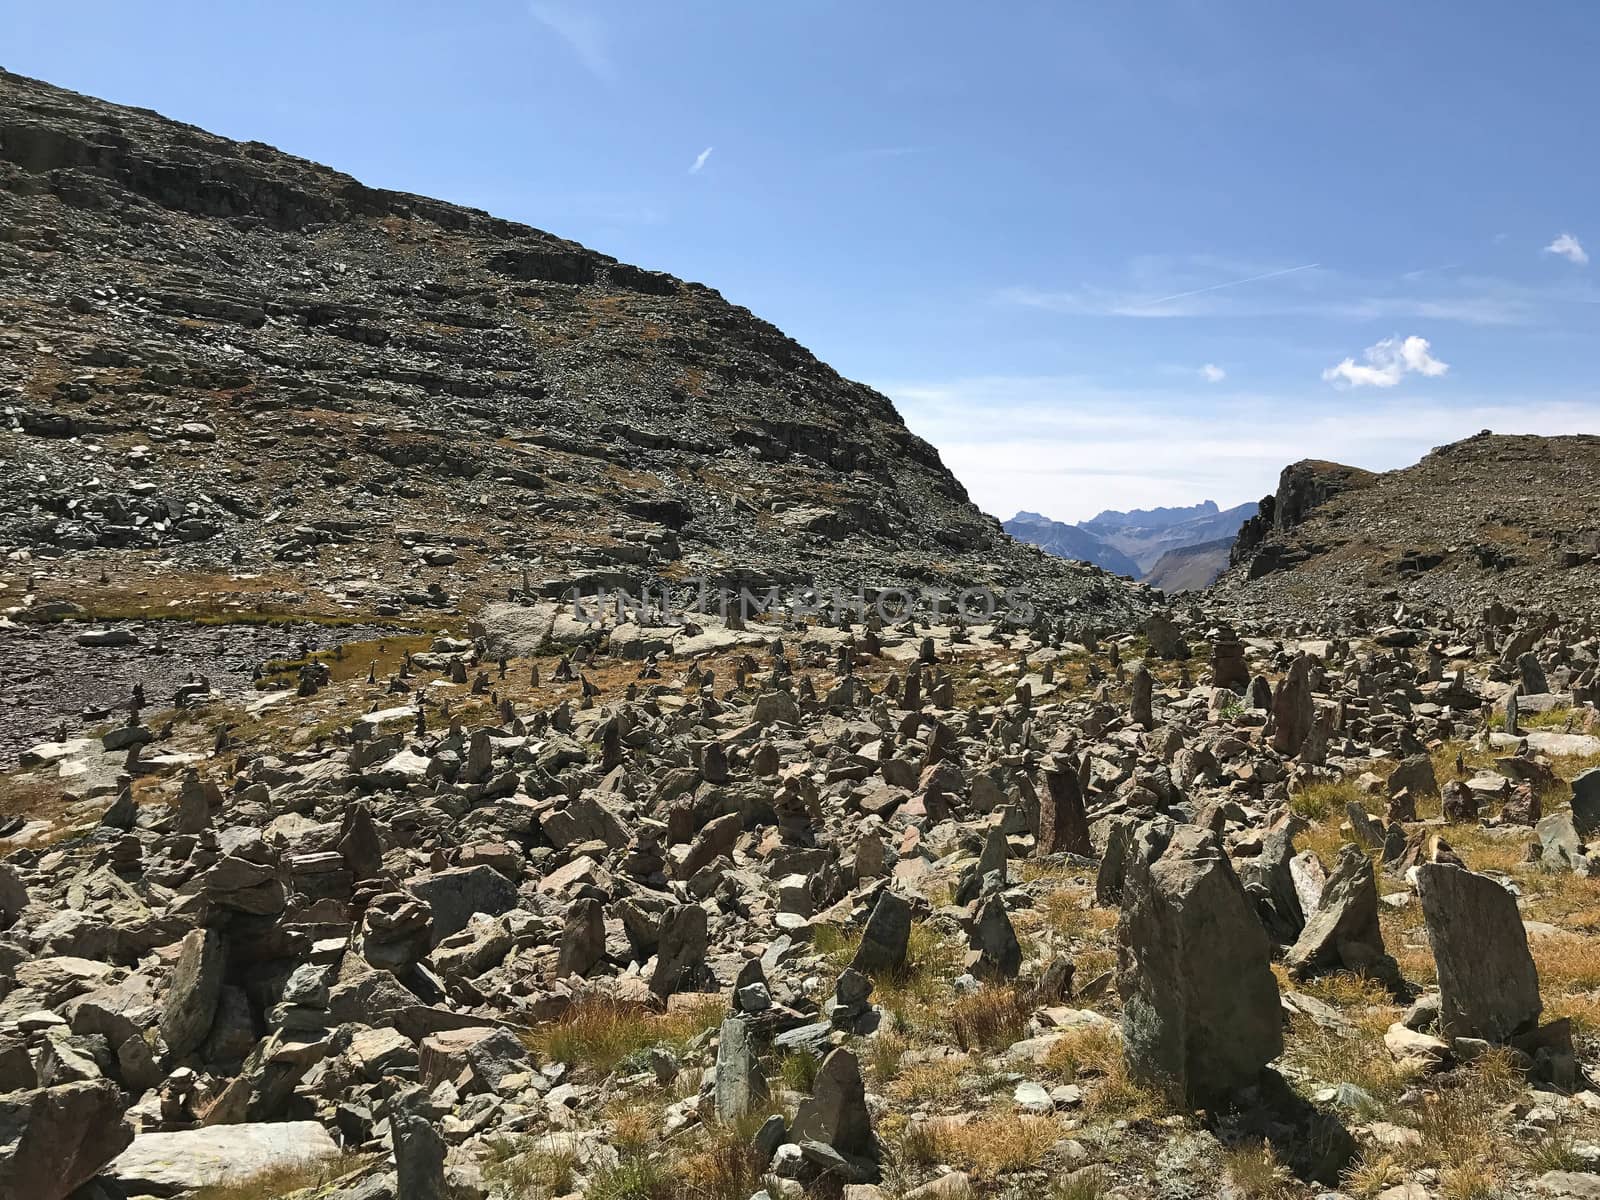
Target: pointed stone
point(1488, 984)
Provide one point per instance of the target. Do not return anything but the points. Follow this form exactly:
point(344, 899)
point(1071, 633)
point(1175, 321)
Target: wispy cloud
point(1232, 283)
point(1387, 363)
point(1569, 248)
point(700, 161)
point(582, 31)
point(1305, 290)
point(1212, 373)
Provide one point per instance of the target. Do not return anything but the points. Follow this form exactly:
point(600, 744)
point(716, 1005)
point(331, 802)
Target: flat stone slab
point(1549, 742)
point(220, 1154)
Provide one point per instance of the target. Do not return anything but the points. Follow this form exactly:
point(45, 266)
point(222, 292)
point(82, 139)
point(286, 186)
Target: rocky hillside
point(218, 357)
point(1490, 518)
point(1190, 568)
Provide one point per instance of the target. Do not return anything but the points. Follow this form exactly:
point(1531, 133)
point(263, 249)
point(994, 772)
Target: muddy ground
point(47, 679)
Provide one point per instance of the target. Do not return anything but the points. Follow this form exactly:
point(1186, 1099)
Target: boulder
point(1201, 1013)
point(1488, 985)
point(53, 1140)
point(740, 1085)
point(835, 1113)
point(1343, 932)
point(191, 1001)
point(453, 896)
point(192, 1159)
point(887, 934)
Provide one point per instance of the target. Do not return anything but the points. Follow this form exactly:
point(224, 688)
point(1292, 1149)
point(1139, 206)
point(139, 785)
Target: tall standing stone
point(1063, 820)
point(1293, 709)
point(740, 1085)
point(418, 1150)
point(1343, 931)
point(994, 952)
point(836, 1111)
point(1142, 709)
point(1201, 1014)
point(886, 937)
point(1488, 985)
point(682, 949)
point(583, 937)
point(191, 1000)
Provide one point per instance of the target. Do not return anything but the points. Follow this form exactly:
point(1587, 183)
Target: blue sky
point(1102, 255)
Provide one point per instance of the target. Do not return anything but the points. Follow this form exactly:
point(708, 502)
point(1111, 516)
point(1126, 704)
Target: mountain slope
point(215, 356)
point(1070, 542)
point(1145, 535)
point(1135, 543)
point(1190, 568)
point(1492, 517)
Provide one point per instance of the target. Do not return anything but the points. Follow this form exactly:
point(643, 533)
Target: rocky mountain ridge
point(1133, 543)
point(218, 356)
point(1494, 518)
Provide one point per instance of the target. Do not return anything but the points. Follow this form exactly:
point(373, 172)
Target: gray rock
point(13, 896)
point(1488, 985)
point(53, 1140)
point(682, 949)
point(191, 1000)
point(1201, 1013)
point(835, 1113)
point(994, 950)
point(192, 1159)
point(886, 936)
point(1343, 932)
point(418, 1150)
point(454, 895)
point(1586, 802)
point(583, 937)
point(1560, 847)
point(740, 1085)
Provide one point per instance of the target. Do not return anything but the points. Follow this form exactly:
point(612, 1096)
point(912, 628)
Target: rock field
point(343, 858)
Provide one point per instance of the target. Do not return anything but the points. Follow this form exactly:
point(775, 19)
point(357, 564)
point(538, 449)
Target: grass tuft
point(599, 1034)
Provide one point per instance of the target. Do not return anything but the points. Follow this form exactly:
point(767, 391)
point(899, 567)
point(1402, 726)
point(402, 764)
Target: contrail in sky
point(1233, 283)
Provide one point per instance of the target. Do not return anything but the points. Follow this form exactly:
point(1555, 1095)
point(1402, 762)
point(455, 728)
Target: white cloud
point(1387, 363)
point(1570, 248)
point(1070, 447)
point(583, 33)
point(700, 161)
point(1212, 373)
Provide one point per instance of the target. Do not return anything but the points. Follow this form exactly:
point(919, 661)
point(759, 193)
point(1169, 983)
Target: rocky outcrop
point(1446, 531)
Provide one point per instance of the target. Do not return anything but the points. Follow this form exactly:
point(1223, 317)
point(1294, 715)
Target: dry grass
point(1361, 1059)
point(723, 1165)
point(1255, 1173)
point(1371, 1174)
point(598, 1034)
point(530, 1168)
point(1086, 1183)
point(1093, 1054)
point(634, 1179)
point(987, 1145)
point(991, 1018)
point(1469, 1181)
point(1457, 1121)
point(1324, 800)
point(936, 1083)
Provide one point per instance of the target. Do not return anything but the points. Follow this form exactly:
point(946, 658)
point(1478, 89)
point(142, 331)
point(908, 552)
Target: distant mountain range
point(1176, 549)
